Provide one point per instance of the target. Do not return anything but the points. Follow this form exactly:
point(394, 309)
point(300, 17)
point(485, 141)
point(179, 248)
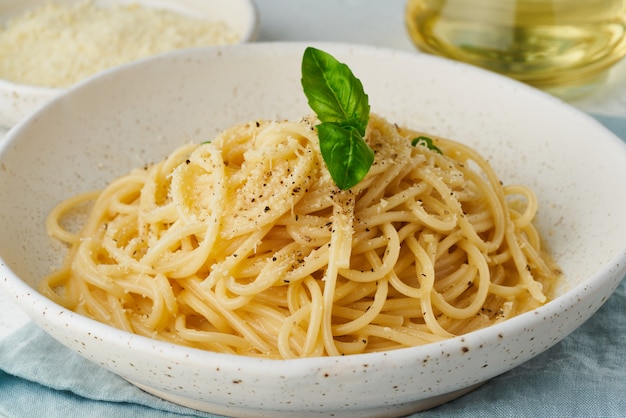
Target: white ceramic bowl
point(140, 112)
point(18, 100)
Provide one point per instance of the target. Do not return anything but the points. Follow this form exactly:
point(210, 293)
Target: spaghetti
point(244, 245)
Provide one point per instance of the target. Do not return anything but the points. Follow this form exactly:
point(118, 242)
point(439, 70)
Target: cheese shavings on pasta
point(244, 245)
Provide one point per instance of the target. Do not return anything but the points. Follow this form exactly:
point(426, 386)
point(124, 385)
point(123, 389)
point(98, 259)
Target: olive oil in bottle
point(562, 46)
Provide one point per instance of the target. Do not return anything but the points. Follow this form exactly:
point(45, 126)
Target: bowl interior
point(124, 119)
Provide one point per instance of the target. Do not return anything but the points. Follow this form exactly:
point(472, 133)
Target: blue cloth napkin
point(582, 376)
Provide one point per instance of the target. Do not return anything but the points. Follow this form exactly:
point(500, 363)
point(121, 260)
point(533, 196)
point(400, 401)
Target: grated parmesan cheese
point(57, 45)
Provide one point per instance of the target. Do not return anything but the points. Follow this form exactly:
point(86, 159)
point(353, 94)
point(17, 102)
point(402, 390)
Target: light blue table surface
point(582, 376)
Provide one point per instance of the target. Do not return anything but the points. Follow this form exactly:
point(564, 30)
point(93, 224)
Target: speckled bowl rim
point(595, 291)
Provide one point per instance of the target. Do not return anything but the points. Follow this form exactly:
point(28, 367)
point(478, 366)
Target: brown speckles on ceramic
point(141, 113)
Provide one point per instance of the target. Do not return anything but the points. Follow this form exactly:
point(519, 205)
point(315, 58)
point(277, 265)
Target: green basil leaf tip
point(426, 142)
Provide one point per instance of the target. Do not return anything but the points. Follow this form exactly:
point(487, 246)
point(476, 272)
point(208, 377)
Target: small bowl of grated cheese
point(47, 46)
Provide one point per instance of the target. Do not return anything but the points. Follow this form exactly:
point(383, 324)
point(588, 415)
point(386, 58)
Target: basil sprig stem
point(340, 103)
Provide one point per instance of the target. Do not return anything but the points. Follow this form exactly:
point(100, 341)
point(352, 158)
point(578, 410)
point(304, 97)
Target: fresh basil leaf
point(341, 105)
point(426, 142)
point(332, 90)
point(346, 154)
